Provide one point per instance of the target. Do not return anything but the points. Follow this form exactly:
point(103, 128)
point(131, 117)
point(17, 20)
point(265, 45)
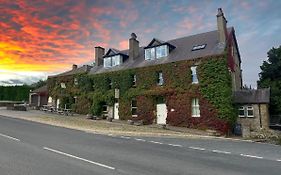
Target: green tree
point(270, 76)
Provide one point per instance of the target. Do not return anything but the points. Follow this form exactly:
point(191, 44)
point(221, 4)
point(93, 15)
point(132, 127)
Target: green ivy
point(216, 86)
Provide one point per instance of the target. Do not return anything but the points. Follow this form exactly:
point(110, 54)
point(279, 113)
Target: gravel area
point(117, 127)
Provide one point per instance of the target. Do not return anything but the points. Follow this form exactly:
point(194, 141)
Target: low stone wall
point(9, 103)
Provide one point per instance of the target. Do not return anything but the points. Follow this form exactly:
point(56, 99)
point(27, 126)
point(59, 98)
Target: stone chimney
point(99, 52)
point(74, 66)
point(221, 22)
point(133, 47)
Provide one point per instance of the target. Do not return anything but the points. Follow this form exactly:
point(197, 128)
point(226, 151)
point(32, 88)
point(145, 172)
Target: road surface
point(29, 148)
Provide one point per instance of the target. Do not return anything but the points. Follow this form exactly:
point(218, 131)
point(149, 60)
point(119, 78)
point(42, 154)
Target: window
point(241, 111)
point(116, 60)
point(134, 80)
point(160, 79)
point(194, 75)
point(112, 61)
point(109, 83)
point(161, 51)
point(250, 111)
point(195, 107)
point(62, 85)
point(150, 54)
point(134, 107)
point(75, 81)
point(107, 62)
point(199, 47)
point(156, 52)
point(246, 111)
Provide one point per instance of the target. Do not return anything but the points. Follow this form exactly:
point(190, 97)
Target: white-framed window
point(195, 107)
point(250, 111)
point(161, 51)
point(246, 111)
point(194, 75)
point(160, 81)
point(150, 54)
point(112, 61)
point(241, 111)
point(62, 85)
point(107, 62)
point(134, 107)
point(75, 81)
point(156, 52)
point(116, 60)
point(134, 80)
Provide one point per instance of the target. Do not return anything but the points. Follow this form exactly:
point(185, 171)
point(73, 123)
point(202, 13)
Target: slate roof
point(253, 96)
point(182, 51)
point(41, 89)
point(82, 69)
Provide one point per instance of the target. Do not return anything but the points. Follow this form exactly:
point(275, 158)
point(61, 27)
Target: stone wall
point(254, 124)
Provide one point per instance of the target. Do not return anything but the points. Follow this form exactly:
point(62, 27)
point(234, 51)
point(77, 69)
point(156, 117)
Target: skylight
point(199, 47)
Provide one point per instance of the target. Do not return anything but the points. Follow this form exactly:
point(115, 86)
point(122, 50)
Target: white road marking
point(156, 142)
point(124, 137)
point(197, 148)
point(278, 160)
point(251, 156)
point(175, 145)
point(223, 152)
point(142, 140)
point(9, 137)
point(79, 158)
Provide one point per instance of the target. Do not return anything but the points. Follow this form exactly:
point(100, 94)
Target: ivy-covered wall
point(214, 92)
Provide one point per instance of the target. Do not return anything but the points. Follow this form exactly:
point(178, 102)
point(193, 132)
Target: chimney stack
point(99, 52)
point(133, 47)
point(221, 22)
point(74, 66)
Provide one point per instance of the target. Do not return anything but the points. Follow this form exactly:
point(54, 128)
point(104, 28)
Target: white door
point(116, 113)
point(161, 113)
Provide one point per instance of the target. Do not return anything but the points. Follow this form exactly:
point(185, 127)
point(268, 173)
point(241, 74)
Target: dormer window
point(156, 52)
point(150, 54)
point(199, 47)
point(112, 61)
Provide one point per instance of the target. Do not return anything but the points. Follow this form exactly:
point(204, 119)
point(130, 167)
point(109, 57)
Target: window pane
point(147, 54)
point(194, 74)
point(152, 53)
point(107, 62)
point(241, 111)
point(195, 107)
point(134, 103)
point(160, 78)
point(250, 111)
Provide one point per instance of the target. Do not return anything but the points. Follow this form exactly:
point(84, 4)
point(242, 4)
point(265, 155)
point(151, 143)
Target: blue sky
point(40, 38)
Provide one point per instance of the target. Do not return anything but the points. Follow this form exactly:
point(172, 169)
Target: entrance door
point(161, 113)
point(116, 113)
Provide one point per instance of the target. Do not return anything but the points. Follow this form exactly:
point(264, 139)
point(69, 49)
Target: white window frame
point(240, 109)
point(116, 60)
point(247, 111)
point(195, 107)
point(134, 107)
point(160, 79)
point(194, 75)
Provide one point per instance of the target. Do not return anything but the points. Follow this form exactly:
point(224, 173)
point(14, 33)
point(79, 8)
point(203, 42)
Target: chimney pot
point(74, 66)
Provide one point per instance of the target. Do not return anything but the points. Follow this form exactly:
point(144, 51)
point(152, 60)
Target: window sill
point(196, 116)
point(134, 116)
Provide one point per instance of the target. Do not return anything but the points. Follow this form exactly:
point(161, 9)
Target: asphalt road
point(28, 148)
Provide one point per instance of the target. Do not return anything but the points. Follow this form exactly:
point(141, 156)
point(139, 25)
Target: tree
point(270, 76)
point(39, 84)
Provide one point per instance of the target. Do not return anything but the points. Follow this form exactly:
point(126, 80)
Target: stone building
point(253, 109)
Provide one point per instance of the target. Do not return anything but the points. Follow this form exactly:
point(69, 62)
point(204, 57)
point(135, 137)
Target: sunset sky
point(45, 37)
